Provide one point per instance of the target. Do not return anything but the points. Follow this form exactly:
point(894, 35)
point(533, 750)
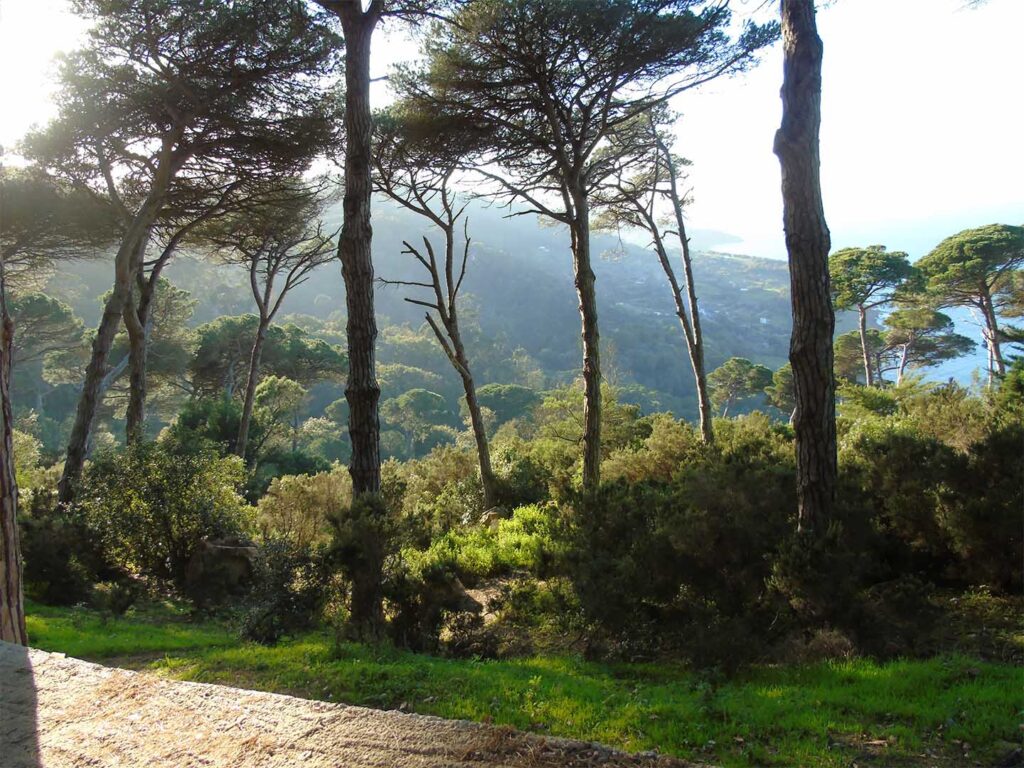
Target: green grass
point(85, 634)
point(826, 714)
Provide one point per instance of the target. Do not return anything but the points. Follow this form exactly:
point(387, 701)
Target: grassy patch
point(155, 629)
point(828, 714)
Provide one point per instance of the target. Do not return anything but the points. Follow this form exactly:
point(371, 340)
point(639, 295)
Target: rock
point(492, 517)
point(219, 567)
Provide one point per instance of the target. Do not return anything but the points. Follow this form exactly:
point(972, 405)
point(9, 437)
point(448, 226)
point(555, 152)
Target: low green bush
point(531, 539)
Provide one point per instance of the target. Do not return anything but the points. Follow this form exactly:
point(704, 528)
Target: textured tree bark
point(362, 389)
point(12, 603)
point(808, 244)
point(138, 321)
point(585, 291)
point(483, 450)
point(126, 265)
point(862, 313)
point(249, 401)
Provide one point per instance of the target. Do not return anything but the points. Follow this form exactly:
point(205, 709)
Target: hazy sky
point(921, 132)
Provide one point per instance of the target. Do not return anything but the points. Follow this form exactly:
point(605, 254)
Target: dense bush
point(985, 527)
point(366, 536)
point(150, 505)
point(298, 508)
point(280, 462)
point(531, 540)
point(62, 555)
point(290, 588)
point(442, 490)
point(687, 562)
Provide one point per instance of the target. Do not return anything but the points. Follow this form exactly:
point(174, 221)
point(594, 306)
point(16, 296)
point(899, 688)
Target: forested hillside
point(520, 314)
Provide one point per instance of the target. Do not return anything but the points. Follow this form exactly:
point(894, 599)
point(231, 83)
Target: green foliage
point(291, 585)
point(151, 504)
point(923, 337)
point(737, 379)
point(532, 539)
point(685, 563)
point(959, 268)
point(224, 346)
point(214, 420)
point(62, 556)
point(863, 278)
point(507, 401)
point(985, 528)
point(421, 415)
point(114, 598)
point(26, 460)
point(670, 446)
point(521, 477)
point(298, 508)
point(559, 432)
point(781, 393)
point(848, 355)
point(441, 491)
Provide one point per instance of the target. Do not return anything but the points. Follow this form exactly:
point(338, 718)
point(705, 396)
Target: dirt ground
point(58, 712)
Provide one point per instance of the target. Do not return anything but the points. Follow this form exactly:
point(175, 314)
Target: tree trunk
point(483, 449)
point(366, 609)
point(12, 602)
point(138, 351)
point(696, 343)
point(992, 326)
point(125, 265)
point(863, 327)
point(585, 291)
point(138, 322)
point(248, 403)
point(903, 364)
point(362, 389)
point(808, 244)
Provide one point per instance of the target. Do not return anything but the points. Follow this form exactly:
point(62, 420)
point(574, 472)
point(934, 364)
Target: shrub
point(521, 478)
point(113, 598)
point(984, 529)
point(298, 508)
point(532, 539)
point(902, 481)
point(670, 445)
point(152, 504)
point(686, 564)
point(279, 462)
point(948, 413)
point(61, 553)
point(291, 586)
point(366, 536)
point(442, 490)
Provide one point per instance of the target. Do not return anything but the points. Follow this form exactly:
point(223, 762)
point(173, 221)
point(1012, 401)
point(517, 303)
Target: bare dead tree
point(421, 182)
point(631, 198)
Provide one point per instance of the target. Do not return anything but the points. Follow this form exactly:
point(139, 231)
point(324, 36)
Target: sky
point(922, 119)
